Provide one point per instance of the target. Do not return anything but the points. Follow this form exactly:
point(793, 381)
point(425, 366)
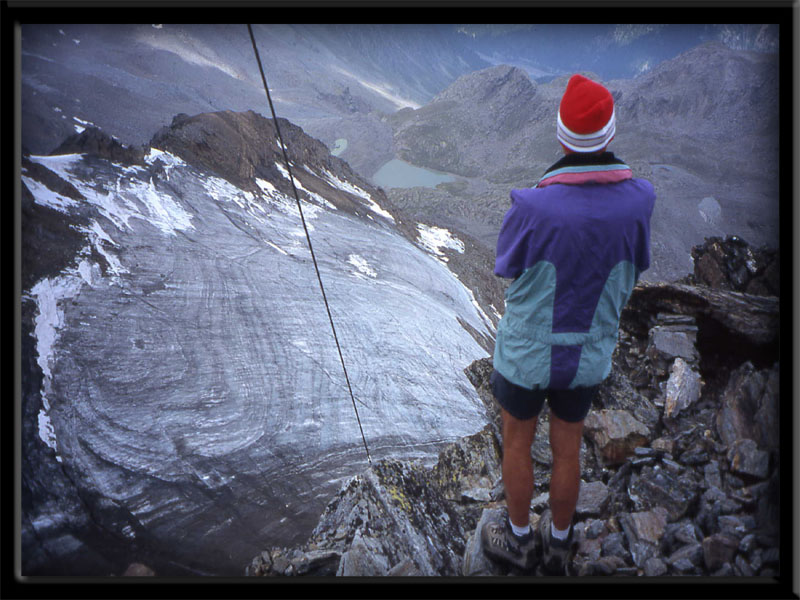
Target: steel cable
point(308, 238)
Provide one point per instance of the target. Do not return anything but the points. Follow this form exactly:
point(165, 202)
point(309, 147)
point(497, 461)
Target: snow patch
point(48, 295)
point(190, 50)
point(82, 124)
point(309, 210)
point(169, 161)
point(224, 191)
point(165, 157)
point(362, 266)
point(434, 239)
point(130, 198)
point(495, 311)
point(266, 186)
point(382, 89)
point(98, 235)
point(319, 199)
point(47, 197)
point(163, 211)
point(278, 248)
point(356, 191)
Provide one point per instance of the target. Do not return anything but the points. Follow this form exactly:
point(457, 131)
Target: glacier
point(190, 375)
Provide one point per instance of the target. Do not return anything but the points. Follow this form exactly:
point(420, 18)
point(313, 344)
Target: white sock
point(520, 531)
point(558, 533)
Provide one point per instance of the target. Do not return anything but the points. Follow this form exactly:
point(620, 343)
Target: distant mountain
point(480, 126)
point(613, 51)
point(181, 396)
point(725, 101)
point(337, 81)
point(132, 79)
point(702, 126)
point(497, 123)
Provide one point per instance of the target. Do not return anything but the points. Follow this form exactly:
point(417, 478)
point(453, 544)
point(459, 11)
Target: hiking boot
point(500, 543)
point(556, 554)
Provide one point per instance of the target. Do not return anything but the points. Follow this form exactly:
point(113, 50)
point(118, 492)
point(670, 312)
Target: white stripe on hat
point(588, 142)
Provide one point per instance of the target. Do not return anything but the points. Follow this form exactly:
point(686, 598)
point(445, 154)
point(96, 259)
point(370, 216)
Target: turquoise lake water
point(399, 174)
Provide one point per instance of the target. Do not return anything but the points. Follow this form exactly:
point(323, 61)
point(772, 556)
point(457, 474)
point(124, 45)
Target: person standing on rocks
point(574, 245)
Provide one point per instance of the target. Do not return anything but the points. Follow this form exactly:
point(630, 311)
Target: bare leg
point(565, 442)
point(517, 466)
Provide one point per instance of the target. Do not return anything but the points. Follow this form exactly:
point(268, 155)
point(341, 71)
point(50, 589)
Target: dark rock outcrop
point(731, 264)
point(241, 147)
point(95, 141)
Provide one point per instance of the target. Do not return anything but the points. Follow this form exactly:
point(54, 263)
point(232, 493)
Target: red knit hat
point(586, 121)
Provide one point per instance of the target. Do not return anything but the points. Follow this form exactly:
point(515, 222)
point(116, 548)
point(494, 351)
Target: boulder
point(592, 499)
point(655, 486)
point(731, 263)
point(746, 459)
point(670, 342)
point(683, 388)
point(615, 434)
point(469, 467)
point(687, 558)
point(643, 531)
point(718, 549)
point(749, 407)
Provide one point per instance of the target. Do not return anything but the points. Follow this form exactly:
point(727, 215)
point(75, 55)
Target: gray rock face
point(669, 343)
point(749, 407)
point(391, 519)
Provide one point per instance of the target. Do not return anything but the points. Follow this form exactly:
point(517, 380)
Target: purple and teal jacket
point(575, 246)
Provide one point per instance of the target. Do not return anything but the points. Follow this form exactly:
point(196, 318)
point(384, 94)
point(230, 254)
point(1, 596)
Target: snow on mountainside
point(180, 373)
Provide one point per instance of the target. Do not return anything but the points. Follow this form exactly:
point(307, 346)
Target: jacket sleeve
point(642, 260)
point(512, 242)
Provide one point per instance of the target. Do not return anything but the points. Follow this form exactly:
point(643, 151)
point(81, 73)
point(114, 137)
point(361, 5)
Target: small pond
point(400, 174)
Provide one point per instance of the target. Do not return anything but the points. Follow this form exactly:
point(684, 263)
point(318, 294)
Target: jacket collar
point(578, 168)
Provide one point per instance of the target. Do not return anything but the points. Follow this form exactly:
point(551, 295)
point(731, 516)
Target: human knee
point(565, 439)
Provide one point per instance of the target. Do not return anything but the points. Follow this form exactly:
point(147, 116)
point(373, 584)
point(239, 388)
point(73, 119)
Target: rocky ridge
point(680, 458)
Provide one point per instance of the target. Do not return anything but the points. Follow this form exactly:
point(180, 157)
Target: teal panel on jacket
point(522, 348)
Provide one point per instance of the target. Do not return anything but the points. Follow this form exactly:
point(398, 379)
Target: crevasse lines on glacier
point(224, 378)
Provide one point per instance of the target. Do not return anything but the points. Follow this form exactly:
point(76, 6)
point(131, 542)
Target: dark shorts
point(568, 405)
